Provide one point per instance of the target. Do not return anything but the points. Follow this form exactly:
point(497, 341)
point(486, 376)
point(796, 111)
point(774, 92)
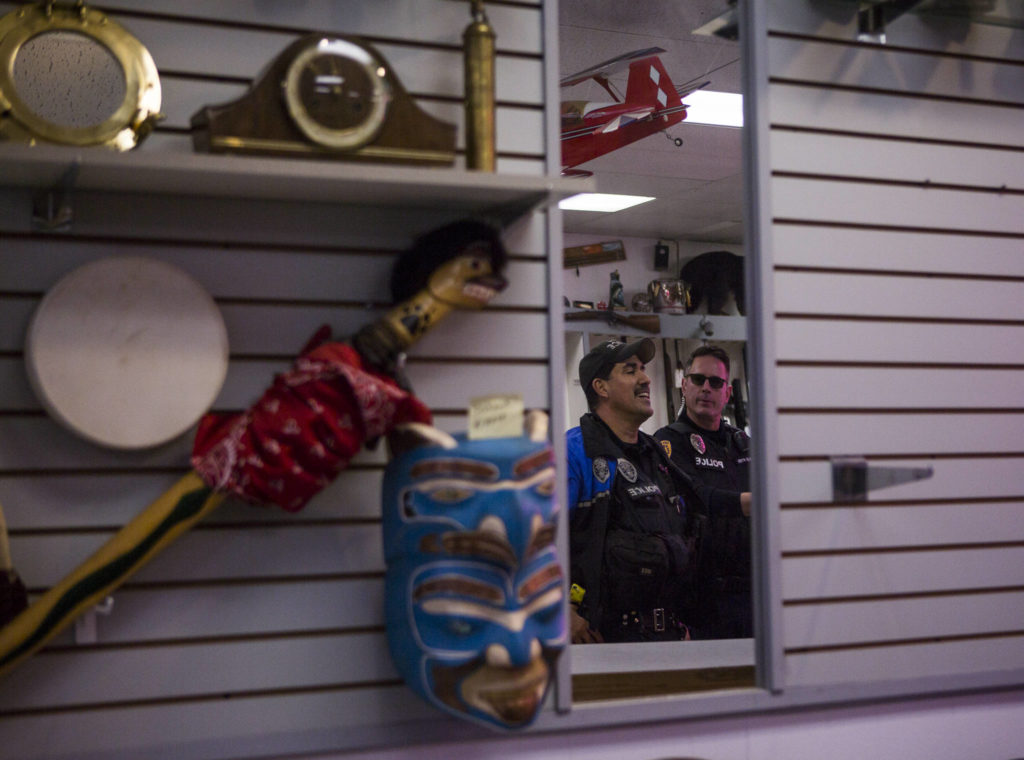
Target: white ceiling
point(698, 187)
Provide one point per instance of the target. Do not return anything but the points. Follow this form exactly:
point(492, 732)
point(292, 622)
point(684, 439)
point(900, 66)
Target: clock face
point(337, 93)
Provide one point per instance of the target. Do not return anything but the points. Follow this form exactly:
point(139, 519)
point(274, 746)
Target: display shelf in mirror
point(682, 326)
point(1009, 13)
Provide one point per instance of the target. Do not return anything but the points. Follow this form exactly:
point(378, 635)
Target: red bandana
point(304, 429)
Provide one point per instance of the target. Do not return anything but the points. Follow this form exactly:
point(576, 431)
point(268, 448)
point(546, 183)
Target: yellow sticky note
point(497, 416)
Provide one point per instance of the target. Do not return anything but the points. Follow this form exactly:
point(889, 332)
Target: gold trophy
point(478, 40)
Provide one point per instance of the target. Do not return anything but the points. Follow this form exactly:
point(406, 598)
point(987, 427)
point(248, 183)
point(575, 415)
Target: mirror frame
point(759, 277)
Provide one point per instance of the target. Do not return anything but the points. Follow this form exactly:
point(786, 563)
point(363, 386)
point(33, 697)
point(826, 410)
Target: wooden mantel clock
point(326, 96)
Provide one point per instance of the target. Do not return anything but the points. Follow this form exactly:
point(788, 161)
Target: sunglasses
point(699, 380)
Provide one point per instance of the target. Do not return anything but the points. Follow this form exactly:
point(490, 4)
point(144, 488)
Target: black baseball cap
point(610, 353)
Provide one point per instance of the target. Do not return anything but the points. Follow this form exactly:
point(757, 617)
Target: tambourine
point(127, 352)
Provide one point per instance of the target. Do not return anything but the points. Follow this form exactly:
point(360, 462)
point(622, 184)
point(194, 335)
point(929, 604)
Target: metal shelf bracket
point(852, 478)
point(52, 209)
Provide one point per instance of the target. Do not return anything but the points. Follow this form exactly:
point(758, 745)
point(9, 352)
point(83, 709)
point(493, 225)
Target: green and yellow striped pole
point(173, 513)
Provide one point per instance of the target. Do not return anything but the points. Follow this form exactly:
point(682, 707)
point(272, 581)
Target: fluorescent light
point(601, 202)
point(722, 109)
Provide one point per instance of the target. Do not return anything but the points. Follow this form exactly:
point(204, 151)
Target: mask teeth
point(536, 425)
point(493, 525)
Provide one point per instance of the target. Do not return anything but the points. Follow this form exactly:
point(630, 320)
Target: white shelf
point(42, 167)
point(682, 326)
point(661, 656)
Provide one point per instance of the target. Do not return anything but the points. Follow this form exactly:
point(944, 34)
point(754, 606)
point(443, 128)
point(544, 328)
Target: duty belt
point(655, 620)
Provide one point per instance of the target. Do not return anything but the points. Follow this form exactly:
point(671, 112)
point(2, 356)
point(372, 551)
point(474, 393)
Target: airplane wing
point(610, 66)
point(686, 89)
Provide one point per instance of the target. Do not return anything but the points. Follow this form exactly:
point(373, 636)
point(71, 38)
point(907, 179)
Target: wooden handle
point(173, 513)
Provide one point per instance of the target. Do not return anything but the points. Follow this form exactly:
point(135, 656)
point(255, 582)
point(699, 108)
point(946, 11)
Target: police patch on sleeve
point(668, 448)
point(627, 469)
point(601, 471)
point(698, 443)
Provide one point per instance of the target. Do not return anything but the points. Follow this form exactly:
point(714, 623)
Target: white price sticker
point(497, 416)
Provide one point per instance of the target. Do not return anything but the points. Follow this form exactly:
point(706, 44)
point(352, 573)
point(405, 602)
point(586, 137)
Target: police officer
point(717, 456)
point(629, 552)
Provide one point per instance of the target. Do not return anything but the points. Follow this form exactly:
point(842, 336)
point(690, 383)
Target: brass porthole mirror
point(69, 74)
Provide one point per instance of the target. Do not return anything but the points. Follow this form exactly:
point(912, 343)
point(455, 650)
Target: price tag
point(497, 416)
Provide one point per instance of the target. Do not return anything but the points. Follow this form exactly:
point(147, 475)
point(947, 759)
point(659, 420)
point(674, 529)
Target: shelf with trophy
point(667, 309)
point(646, 324)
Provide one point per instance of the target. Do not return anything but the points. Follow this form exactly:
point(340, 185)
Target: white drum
point(127, 352)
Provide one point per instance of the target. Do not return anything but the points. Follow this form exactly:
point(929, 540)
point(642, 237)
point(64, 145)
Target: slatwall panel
point(897, 206)
point(258, 632)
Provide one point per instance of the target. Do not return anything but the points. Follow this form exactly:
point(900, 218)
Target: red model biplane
point(651, 104)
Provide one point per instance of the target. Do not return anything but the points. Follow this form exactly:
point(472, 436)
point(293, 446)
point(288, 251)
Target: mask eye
point(451, 494)
point(547, 487)
point(460, 627)
point(408, 509)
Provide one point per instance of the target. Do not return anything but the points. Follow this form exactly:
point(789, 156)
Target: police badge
point(627, 469)
point(601, 471)
point(698, 443)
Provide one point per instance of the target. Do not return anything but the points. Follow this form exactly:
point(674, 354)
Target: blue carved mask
point(474, 588)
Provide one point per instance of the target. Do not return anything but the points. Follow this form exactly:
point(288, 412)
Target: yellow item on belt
point(576, 593)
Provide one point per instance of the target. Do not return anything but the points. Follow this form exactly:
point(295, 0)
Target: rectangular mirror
point(626, 73)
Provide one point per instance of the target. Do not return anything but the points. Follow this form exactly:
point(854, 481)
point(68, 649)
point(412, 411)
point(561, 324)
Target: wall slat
point(197, 670)
point(916, 342)
point(902, 433)
point(880, 159)
point(883, 574)
point(898, 251)
point(880, 204)
point(966, 477)
point(36, 444)
point(904, 388)
point(883, 114)
point(901, 619)
point(427, 21)
point(913, 661)
point(837, 20)
point(74, 500)
point(437, 384)
point(314, 276)
point(285, 550)
point(320, 719)
point(832, 64)
point(900, 297)
point(880, 526)
point(236, 610)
